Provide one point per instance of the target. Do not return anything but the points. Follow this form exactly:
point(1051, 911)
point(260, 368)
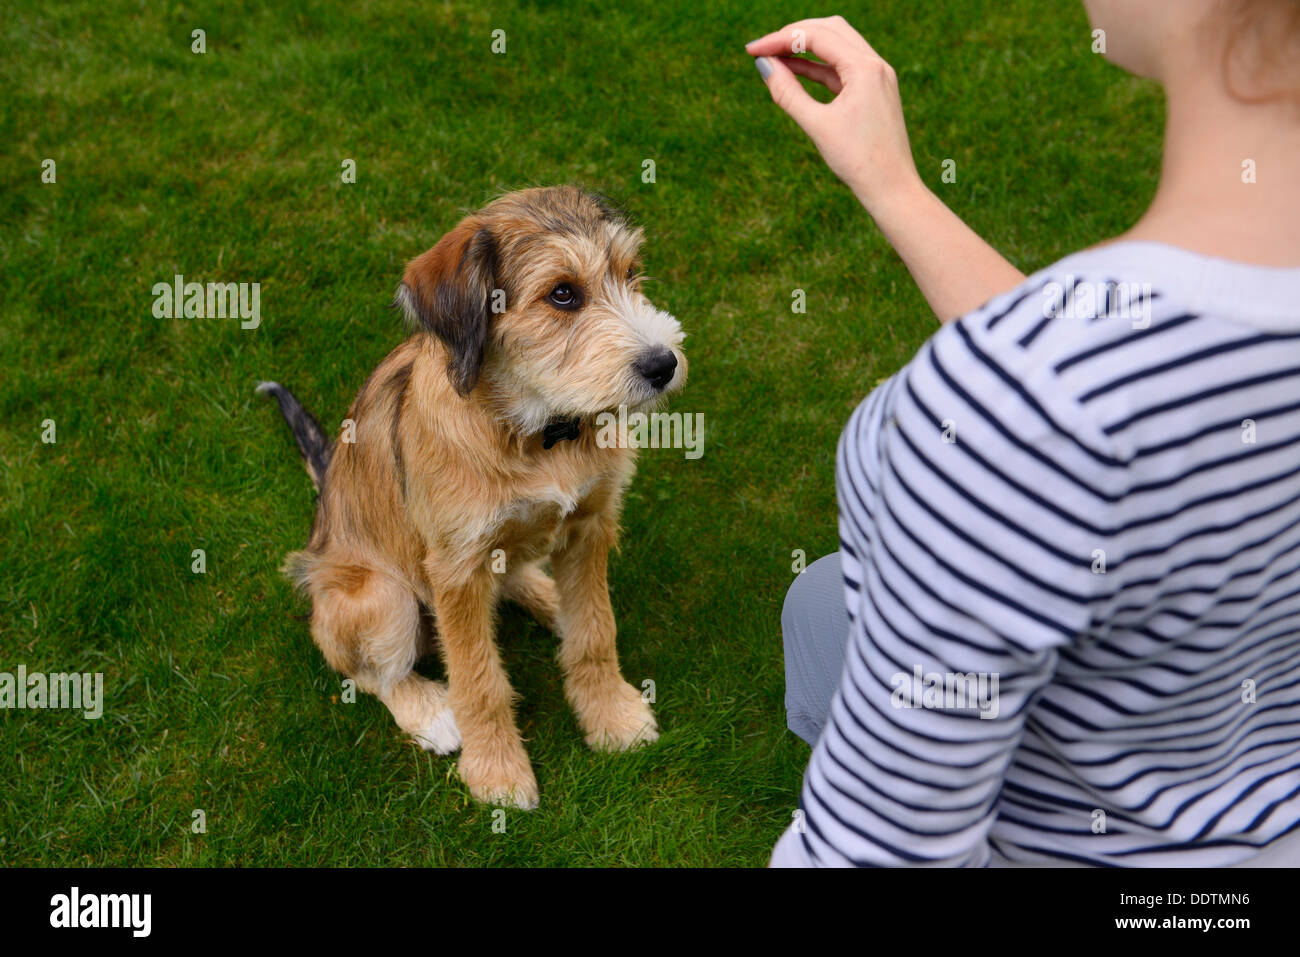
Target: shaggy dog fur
point(473, 464)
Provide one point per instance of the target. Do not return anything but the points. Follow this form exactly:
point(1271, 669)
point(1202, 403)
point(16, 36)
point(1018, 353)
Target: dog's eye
point(631, 273)
point(564, 296)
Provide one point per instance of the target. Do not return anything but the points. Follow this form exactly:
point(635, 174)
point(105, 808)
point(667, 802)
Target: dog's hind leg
point(532, 588)
point(423, 711)
point(368, 626)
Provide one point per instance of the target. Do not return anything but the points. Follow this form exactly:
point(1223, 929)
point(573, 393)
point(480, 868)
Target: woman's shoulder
point(1102, 333)
point(1098, 338)
point(1127, 301)
point(1129, 286)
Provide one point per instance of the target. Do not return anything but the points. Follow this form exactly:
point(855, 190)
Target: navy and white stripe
point(1160, 698)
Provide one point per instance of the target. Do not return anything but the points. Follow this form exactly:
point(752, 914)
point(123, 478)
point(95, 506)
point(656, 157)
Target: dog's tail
point(311, 438)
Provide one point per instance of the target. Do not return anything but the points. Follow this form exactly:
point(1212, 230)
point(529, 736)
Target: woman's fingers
point(787, 93)
point(845, 29)
point(773, 44)
point(821, 73)
point(831, 39)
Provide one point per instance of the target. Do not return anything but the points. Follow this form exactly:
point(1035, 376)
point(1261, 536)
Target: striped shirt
point(1070, 536)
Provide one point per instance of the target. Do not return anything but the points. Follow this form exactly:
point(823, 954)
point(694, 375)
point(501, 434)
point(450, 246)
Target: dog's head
point(538, 297)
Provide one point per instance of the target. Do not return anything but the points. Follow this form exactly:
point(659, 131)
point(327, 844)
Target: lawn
point(226, 166)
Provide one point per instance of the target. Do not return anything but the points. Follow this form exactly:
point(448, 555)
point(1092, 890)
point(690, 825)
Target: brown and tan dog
point(474, 462)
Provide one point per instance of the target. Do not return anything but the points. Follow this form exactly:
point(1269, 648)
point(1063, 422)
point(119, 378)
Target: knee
point(811, 588)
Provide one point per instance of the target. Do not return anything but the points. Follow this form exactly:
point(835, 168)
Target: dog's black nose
point(658, 367)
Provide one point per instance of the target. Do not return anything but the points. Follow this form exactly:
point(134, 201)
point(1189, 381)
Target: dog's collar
point(560, 430)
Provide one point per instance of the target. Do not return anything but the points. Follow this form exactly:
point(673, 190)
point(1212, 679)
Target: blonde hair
point(1261, 58)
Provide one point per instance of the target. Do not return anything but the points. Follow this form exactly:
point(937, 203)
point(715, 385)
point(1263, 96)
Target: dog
point(473, 463)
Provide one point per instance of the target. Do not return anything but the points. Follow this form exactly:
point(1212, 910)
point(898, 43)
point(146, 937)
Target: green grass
point(225, 167)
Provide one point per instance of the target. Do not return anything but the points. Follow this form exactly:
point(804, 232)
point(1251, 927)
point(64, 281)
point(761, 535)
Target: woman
point(1067, 603)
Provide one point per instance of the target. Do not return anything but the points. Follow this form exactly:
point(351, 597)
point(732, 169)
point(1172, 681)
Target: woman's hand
point(860, 133)
point(863, 139)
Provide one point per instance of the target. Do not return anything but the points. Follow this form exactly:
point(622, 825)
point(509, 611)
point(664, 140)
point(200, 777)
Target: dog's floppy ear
point(447, 290)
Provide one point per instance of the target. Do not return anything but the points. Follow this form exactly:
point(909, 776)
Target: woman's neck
point(1230, 181)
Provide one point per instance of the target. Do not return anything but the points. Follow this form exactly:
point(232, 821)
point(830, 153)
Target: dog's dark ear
point(447, 291)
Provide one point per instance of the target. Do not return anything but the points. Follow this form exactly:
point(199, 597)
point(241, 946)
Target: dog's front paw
point(505, 780)
point(619, 720)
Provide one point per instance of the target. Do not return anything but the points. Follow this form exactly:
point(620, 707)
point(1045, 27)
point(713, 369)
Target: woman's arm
point(955, 269)
point(863, 138)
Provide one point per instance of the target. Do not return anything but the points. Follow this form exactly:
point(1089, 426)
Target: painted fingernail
point(750, 43)
point(764, 67)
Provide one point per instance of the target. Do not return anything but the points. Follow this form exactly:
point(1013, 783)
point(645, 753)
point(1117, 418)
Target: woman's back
point(1086, 493)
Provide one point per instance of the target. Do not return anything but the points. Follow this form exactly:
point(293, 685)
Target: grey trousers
point(815, 628)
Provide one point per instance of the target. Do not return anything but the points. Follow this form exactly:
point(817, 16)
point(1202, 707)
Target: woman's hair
point(1261, 55)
